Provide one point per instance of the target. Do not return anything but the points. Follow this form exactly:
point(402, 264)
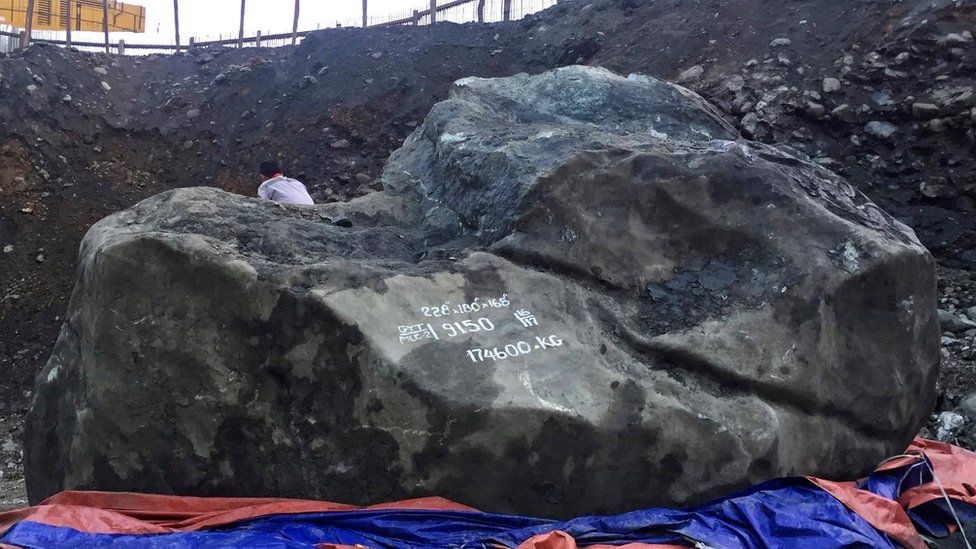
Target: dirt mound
point(881, 92)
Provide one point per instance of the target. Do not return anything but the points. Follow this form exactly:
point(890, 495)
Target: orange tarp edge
point(110, 512)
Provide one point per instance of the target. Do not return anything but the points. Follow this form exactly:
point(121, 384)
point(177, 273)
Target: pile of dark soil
point(880, 91)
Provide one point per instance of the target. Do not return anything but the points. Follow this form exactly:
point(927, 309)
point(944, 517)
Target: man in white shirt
point(280, 188)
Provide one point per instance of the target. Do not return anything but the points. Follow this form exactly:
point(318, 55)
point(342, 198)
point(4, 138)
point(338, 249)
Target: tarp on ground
point(920, 491)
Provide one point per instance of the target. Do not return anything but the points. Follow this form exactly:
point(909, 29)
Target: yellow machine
point(86, 15)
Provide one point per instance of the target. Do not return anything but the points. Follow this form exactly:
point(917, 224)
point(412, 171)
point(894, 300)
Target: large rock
point(579, 293)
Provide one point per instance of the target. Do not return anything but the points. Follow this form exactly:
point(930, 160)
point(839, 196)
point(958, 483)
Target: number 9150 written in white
point(514, 349)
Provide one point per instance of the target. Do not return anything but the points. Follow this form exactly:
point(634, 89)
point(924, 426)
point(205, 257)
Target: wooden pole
point(25, 38)
point(416, 18)
point(121, 47)
point(257, 39)
point(433, 11)
point(365, 18)
point(481, 11)
point(508, 10)
point(67, 24)
point(176, 22)
point(105, 23)
point(294, 25)
point(240, 34)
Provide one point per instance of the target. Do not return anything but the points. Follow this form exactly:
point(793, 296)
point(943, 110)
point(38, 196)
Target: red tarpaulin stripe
point(955, 469)
point(127, 513)
point(883, 514)
point(562, 540)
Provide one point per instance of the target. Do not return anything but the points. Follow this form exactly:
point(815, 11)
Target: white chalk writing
point(416, 332)
point(455, 329)
point(515, 349)
point(527, 319)
point(448, 309)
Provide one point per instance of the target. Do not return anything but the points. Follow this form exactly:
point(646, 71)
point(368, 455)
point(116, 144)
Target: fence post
point(416, 17)
point(240, 34)
point(433, 11)
point(25, 38)
point(481, 11)
point(121, 47)
point(294, 25)
point(257, 39)
point(193, 42)
point(365, 18)
point(176, 22)
point(67, 24)
point(105, 23)
point(508, 10)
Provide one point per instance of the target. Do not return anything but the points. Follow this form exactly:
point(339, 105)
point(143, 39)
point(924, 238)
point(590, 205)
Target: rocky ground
point(879, 90)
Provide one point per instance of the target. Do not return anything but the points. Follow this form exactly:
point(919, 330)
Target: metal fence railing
point(9, 39)
point(456, 11)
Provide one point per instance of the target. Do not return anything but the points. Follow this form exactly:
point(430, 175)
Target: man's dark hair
point(269, 168)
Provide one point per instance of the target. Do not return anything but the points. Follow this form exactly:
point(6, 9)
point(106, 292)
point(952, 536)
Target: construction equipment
point(85, 15)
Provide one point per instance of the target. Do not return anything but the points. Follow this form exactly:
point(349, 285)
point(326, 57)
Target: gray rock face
point(573, 284)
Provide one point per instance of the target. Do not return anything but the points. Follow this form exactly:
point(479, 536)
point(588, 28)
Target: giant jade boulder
point(578, 293)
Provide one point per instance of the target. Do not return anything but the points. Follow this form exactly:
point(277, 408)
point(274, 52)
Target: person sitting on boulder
point(279, 188)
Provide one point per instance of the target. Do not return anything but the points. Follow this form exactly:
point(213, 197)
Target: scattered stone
point(40, 258)
point(340, 144)
point(101, 71)
point(220, 79)
point(735, 84)
point(925, 111)
point(188, 144)
point(957, 39)
point(936, 189)
point(936, 125)
point(952, 323)
point(749, 124)
point(843, 112)
point(31, 88)
point(692, 74)
point(881, 130)
point(377, 55)
point(948, 425)
point(831, 85)
point(779, 42)
point(8, 248)
point(815, 109)
point(363, 179)
point(971, 313)
point(105, 86)
point(66, 99)
point(968, 406)
point(192, 113)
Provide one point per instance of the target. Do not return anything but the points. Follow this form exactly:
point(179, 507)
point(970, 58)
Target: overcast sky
point(211, 17)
